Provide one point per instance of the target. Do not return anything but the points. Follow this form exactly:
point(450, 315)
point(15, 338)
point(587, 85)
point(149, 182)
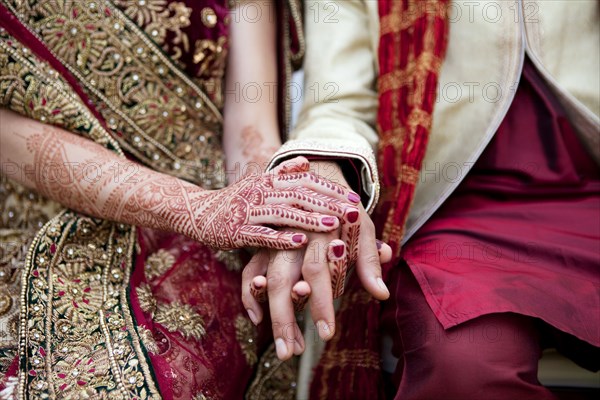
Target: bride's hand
point(290, 196)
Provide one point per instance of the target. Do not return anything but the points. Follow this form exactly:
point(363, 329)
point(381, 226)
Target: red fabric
point(522, 232)
point(11, 372)
point(183, 366)
point(412, 47)
point(493, 357)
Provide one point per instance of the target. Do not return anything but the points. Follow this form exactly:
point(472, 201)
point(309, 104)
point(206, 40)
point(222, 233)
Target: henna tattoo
point(253, 147)
point(288, 167)
point(259, 293)
point(299, 302)
point(350, 237)
point(88, 178)
point(338, 266)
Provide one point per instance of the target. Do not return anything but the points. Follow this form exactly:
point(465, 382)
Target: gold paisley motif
point(182, 318)
point(146, 299)
point(158, 263)
point(147, 339)
point(245, 333)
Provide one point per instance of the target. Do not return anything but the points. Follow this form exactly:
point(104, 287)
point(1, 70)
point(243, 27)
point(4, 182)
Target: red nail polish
point(352, 216)
point(338, 250)
point(328, 221)
point(298, 238)
point(379, 244)
point(354, 198)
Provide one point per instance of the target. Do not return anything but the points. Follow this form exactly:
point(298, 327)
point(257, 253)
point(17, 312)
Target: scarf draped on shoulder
point(412, 45)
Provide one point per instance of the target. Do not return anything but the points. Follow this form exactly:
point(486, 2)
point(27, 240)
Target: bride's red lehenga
point(94, 309)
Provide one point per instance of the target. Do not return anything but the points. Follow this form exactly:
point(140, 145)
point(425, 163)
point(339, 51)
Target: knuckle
point(318, 306)
point(247, 274)
point(371, 262)
point(247, 299)
point(277, 281)
point(367, 226)
point(312, 269)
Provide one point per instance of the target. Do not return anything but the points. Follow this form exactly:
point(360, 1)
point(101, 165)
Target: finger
point(258, 288)
point(368, 266)
point(292, 166)
point(299, 341)
point(385, 252)
point(315, 272)
point(282, 272)
point(308, 200)
point(281, 215)
point(261, 236)
point(338, 265)
point(318, 184)
point(300, 293)
point(256, 267)
point(351, 225)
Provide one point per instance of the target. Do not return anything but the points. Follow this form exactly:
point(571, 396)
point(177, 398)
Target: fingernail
point(298, 238)
point(382, 285)
point(379, 244)
point(281, 348)
point(324, 330)
point(328, 221)
point(354, 198)
point(297, 348)
point(252, 316)
point(338, 250)
point(352, 216)
point(257, 285)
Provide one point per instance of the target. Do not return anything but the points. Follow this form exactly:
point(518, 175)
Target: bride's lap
point(188, 307)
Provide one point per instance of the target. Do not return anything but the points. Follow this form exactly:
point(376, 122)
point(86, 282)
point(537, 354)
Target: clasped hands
point(314, 274)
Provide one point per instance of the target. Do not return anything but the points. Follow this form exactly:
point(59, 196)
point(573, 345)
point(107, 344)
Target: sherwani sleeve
point(339, 108)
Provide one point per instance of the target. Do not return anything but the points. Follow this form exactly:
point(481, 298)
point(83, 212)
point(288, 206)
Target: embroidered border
point(77, 333)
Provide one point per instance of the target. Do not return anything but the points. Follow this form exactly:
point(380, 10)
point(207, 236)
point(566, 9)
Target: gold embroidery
point(209, 17)
point(157, 17)
point(31, 88)
point(7, 356)
point(147, 339)
point(146, 299)
point(182, 318)
point(24, 212)
point(245, 333)
point(75, 320)
point(138, 91)
point(275, 379)
point(158, 263)
point(231, 259)
point(211, 56)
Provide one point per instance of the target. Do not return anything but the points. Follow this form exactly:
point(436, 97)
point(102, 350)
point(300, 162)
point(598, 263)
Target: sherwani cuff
point(359, 154)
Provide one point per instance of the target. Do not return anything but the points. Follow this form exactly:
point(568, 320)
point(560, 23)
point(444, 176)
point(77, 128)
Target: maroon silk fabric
point(214, 365)
point(522, 232)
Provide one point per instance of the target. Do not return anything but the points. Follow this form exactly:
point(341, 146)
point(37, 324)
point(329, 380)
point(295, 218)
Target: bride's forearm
point(86, 177)
point(251, 133)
